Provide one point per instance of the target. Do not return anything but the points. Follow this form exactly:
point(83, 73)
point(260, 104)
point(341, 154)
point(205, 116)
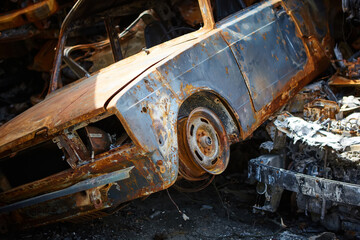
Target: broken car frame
point(180, 105)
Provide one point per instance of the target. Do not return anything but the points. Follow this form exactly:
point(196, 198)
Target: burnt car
point(163, 92)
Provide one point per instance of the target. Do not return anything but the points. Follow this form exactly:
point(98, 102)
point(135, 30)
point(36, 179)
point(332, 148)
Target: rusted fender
point(80, 101)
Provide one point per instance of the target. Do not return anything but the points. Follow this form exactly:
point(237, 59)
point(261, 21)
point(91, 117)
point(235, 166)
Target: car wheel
point(204, 144)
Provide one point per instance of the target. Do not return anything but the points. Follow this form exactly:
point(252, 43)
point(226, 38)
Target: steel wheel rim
point(207, 140)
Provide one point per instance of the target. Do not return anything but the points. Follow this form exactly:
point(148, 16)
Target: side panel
point(267, 48)
point(152, 104)
point(211, 66)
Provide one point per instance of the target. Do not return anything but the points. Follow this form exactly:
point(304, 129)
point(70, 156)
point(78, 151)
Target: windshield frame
point(55, 82)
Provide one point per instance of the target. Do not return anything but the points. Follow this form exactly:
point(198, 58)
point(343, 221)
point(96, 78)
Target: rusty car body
point(172, 109)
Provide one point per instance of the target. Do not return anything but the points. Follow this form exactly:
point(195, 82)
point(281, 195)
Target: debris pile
point(315, 148)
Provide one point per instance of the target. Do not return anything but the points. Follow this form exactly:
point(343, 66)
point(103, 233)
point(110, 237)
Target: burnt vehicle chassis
point(318, 162)
point(173, 109)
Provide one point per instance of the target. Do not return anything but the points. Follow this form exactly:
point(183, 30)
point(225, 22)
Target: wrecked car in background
point(160, 95)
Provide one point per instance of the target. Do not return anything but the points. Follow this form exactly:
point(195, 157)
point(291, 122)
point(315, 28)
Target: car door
point(265, 43)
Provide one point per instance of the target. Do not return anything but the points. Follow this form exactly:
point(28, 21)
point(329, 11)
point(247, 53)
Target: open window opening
point(122, 31)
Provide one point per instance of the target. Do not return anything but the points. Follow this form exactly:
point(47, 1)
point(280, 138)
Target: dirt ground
point(223, 210)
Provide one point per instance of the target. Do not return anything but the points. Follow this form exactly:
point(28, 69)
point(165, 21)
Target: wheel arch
point(215, 102)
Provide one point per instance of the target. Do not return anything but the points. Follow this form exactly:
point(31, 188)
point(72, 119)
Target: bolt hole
point(191, 130)
point(214, 161)
point(144, 109)
point(204, 120)
point(198, 155)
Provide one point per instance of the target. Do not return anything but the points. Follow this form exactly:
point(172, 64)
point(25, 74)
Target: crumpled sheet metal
point(312, 133)
point(349, 103)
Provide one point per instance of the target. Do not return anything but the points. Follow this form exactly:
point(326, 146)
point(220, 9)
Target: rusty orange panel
point(337, 80)
point(32, 13)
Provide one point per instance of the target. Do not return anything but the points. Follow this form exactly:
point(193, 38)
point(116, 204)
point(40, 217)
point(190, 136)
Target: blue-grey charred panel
point(267, 48)
point(311, 16)
point(207, 66)
point(211, 65)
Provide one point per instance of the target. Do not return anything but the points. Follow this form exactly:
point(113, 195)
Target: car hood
point(82, 100)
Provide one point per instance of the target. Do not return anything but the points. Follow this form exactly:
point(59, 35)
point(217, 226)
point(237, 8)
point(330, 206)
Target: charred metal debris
point(132, 96)
point(314, 146)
